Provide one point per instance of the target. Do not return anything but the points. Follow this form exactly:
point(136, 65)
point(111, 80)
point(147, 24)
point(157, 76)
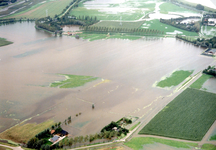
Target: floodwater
point(28, 66)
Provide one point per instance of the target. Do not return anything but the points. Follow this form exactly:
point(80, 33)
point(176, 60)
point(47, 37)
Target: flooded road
point(28, 66)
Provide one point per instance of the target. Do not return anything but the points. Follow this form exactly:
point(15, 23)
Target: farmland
point(23, 132)
point(199, 82)
point(169, 7)
point(176, 78)
point(73, 81)
point(156, 24)
point(39, 11)
point(129, 10)
point(137, 143)
point(193, 110)
point(116, 24)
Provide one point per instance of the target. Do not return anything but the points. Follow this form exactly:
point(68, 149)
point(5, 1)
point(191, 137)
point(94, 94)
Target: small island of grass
point(4, 42)
point(73, 81)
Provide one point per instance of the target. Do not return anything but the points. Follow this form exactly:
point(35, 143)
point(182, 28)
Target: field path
point(14, 148)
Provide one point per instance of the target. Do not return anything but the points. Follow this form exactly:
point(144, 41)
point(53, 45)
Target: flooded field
point(28, 66)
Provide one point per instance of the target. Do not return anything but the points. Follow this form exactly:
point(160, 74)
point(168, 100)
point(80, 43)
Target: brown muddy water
point(28, 66)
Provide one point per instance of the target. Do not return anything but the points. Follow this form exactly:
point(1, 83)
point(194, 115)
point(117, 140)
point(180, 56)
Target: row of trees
point(6, 2)
point(122, 30)
point(88, 139)
point(193, 27)
point(211, 43)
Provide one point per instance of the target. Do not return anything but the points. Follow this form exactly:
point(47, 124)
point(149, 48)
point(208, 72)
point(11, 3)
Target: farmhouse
point(55, 138)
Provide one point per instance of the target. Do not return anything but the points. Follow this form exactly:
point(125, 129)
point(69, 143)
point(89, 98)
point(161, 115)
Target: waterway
point(28, 66)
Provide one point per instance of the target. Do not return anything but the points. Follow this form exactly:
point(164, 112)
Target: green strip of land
point(4, 42)
point(73, 81)
point(137, 143)
point(176, 78)
point(199, 82)
point(189, 116)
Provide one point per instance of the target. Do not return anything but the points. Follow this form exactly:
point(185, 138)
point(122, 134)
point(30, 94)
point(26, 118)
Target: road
point(14, 148)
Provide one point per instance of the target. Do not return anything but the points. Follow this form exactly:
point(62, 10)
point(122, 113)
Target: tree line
point(6, 2)
point(210, 43)
point(135, 31)
point(210, 70)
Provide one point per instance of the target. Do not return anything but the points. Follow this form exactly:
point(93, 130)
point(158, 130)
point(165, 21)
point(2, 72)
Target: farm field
point(129, 10)
point(165, 8)
point(72, 81)
point(22, 133)
point(191, 111)
point(169, 30)
point(116, 24)
point(199, 82)
point(53, 8)
point(4, 42)
point(176, 78)
point(138, 143)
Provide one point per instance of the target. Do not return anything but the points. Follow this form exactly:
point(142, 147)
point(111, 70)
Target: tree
point(71, 142)
point(199, 7)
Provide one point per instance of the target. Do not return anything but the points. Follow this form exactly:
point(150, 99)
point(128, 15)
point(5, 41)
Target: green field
point(208, 147)
point(199, 82)
point(189, 116)
point(168, 29)
point(39, 11)
point(4, 42)
point(130, 10)
point(213, 138)
point(175, 79)
point(169, 7)
point(73, 81)
point(137, 143)
point(116, 24)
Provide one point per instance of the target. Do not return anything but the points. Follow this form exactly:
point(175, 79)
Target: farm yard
point(191, 111)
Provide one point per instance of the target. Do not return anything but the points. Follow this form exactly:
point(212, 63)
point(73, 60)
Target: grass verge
point(4, 42)
point(189, 116)
point(73, 81)
point(137, 143)
point(176, 78)
point(133, 127)
point(22, 133)
point(199, 82)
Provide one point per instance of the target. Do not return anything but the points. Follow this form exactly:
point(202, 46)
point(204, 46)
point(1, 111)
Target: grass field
point(168, 29)
point(208, 147)
point(137, 143)
point(116, 24)
point(176, 78)
point(4, 42)
point(169, 7)
point(22, 133)
point(213, 138)
point(129, 10)
point(73, 81)
point(53, 7)
point(189, 116)
point(199, 82)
